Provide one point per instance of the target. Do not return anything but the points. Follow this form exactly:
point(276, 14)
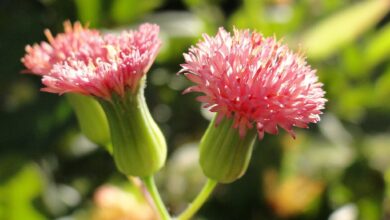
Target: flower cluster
point(257, 81)
point(254, 84)
point(84, 61)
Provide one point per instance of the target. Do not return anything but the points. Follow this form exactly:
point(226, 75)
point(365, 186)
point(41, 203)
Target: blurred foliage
point(345, 25)
point(17, 196)
point(337, 170)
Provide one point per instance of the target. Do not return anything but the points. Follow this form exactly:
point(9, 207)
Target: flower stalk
point(155, 195)
point(200, 199)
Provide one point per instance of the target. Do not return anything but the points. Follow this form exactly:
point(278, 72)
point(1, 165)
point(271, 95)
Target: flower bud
point(224, 154)
point(139, 147)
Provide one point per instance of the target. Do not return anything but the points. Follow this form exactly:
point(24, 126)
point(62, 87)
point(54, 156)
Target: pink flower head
point(77, 41)
point(256, 80)
point(102, 66)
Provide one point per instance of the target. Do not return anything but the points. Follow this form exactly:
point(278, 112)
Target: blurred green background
point(337, 170)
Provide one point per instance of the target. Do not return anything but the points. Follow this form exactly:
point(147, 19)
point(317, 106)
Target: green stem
point(155, 195)
point(199, 200)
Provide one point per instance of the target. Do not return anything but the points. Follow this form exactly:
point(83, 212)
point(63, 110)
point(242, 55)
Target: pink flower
point(93, 64)
point(77, 41)
point(257, 81)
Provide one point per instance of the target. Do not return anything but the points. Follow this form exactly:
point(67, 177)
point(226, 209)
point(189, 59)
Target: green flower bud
point(224, 155)
point(91, 118)
point(139, 147)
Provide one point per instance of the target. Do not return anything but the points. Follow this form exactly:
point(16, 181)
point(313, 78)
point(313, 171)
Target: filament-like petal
point(257, 80)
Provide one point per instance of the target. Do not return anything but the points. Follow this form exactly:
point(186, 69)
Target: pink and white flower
point(254, 80)
point(77, 41)
point(87, 62)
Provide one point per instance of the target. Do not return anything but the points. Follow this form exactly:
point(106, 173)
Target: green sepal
point(139, 147)
point(224, 155)
point(91, 118)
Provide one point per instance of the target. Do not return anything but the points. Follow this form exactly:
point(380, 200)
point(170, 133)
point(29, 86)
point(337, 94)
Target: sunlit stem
point(199, 200)
point(155, 195)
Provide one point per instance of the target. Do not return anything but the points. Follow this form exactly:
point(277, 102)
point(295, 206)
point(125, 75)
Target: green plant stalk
point(199, 200)
point(155, 195)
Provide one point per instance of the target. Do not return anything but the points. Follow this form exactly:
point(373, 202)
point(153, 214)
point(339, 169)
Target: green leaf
point(344, 27)
point(382, 89)
point(88, 11)
point(354, 101)
point(19, 193)
point(378, 49)
point(125, 11)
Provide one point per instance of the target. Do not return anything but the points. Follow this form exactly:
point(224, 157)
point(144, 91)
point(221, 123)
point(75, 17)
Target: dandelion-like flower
point(125, 60)
point(110, 68)
point(80, 43)
point(77, 41)
point(82, 60)
point(257, 81)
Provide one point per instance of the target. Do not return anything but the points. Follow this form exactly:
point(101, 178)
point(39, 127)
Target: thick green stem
point(199, 200)
point(154, 194)
point(139, 147)
point(224, 155)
